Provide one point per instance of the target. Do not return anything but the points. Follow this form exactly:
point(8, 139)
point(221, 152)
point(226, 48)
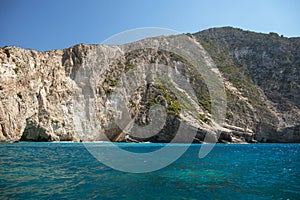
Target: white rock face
point(35, 96)
point(59, 95)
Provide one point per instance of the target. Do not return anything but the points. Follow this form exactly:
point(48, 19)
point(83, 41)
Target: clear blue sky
point(58, 24)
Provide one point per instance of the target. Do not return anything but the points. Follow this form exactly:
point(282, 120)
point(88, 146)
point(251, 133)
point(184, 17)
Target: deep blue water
point(69, 171)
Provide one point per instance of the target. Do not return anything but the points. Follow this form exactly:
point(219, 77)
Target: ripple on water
point(67, 170)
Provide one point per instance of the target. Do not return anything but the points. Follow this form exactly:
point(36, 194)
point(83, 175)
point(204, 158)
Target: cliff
point(264, 68)
point(42, 93)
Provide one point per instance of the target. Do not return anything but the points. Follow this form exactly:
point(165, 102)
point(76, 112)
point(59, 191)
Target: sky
point(58, 24)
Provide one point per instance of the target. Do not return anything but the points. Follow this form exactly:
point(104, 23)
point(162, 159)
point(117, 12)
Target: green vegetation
point(229, 115)
point(274, 34)
point(16, 69)
point(237, 72)
point(108, 91)
point(154, 101)
point(132, 104)
point(234, 72)
point(181, 97)
point(177, 57)
point(189, 34)
point(108, 84)
point(203, 118)
point(174, 108)
point(6, 51)
point(129, 66)
point(19, 94)
point(218, 54)
point(111, 82)
point(120, 65)
point(165, 96)
point(205, 104)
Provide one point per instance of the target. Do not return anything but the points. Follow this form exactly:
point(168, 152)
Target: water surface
point(230, 171)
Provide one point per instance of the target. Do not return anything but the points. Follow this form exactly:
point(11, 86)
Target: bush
point(174, 108)
point(6, 51)
point(19, 94)
point(205, 104)
point(204, 118)
point(111, 82)
point(16, 69)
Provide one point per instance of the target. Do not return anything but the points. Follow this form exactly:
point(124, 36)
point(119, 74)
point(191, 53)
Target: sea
point(31, 170)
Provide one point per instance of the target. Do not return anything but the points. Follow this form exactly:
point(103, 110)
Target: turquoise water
point(69, 171)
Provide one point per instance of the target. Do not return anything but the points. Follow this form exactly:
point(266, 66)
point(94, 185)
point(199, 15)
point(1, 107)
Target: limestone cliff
point(264, 70)
point(260, 72)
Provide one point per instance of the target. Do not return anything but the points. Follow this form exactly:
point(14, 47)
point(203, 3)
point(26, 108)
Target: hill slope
point(39, 91)
point(265, 69)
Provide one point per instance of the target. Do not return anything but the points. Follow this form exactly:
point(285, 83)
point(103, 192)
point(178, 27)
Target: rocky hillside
point(265, 72)
point(73, 94)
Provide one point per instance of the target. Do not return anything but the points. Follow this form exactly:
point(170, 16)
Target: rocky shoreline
point(261, 79)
